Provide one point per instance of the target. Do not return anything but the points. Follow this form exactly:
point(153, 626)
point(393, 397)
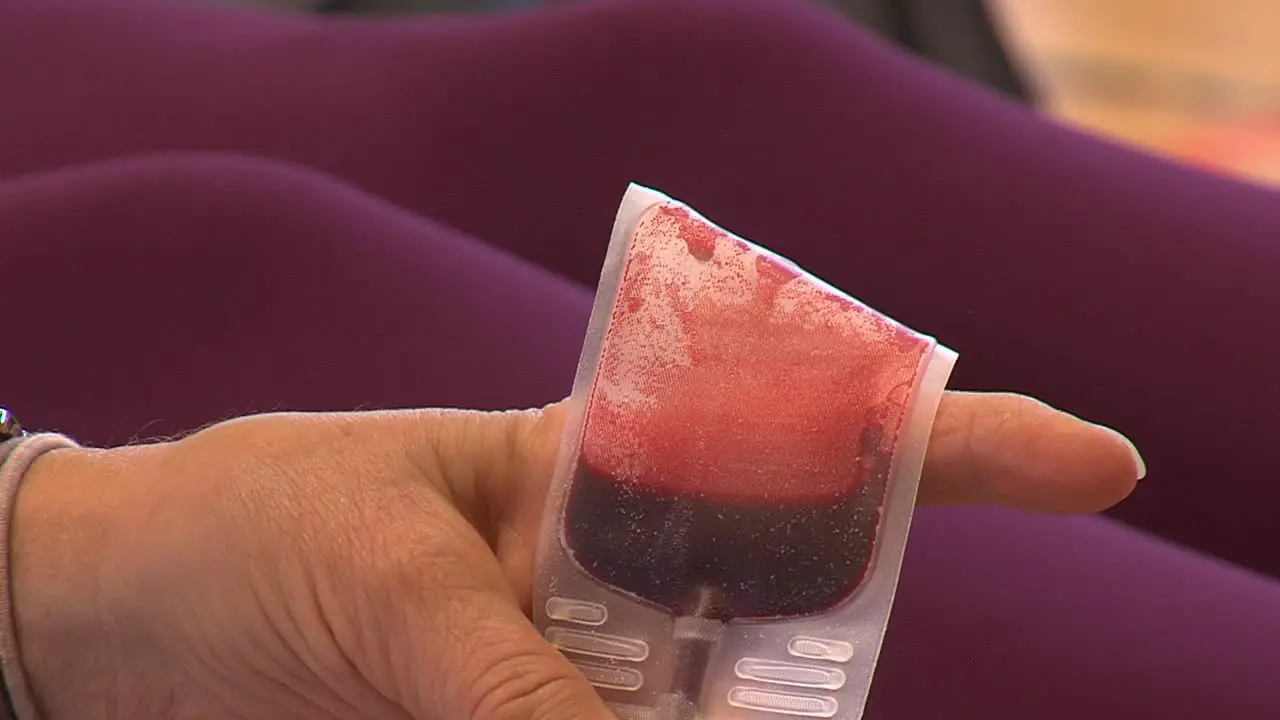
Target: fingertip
point(1095, 466)
point(1139, 465)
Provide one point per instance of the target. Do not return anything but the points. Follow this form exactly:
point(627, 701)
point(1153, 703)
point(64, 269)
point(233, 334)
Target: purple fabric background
point(231, 212)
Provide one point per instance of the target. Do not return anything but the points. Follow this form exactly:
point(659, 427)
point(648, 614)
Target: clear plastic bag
point(736, 479)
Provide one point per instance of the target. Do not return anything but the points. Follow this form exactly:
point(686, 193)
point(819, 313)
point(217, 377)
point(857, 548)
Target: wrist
point(63, 523)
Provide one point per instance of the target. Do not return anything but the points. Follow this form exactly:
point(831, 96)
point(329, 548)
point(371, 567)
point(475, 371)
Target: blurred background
point(1197, 81)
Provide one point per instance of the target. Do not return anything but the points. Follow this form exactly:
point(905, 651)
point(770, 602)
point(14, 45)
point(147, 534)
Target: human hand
point(374, 566)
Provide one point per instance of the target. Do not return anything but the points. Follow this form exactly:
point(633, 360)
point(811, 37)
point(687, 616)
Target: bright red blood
point(727, 373)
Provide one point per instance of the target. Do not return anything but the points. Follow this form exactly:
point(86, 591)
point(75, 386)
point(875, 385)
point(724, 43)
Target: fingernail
point(1138, 462)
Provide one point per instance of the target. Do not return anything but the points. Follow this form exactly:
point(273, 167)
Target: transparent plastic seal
point(735, 482)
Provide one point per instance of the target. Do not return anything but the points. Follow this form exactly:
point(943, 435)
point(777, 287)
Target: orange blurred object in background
point(1197, 80)
point(1251, 149)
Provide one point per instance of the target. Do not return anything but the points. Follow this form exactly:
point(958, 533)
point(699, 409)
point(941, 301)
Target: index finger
point(1012, 450)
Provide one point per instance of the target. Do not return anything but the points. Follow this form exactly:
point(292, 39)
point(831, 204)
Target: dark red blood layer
point(757, 561)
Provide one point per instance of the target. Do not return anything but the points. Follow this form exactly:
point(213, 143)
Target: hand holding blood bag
point(745, 444)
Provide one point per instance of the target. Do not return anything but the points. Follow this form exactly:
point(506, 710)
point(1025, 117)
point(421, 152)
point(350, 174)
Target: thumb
point(471, 651)
point(495, 467)
point(492, 464)
point(504, 670)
